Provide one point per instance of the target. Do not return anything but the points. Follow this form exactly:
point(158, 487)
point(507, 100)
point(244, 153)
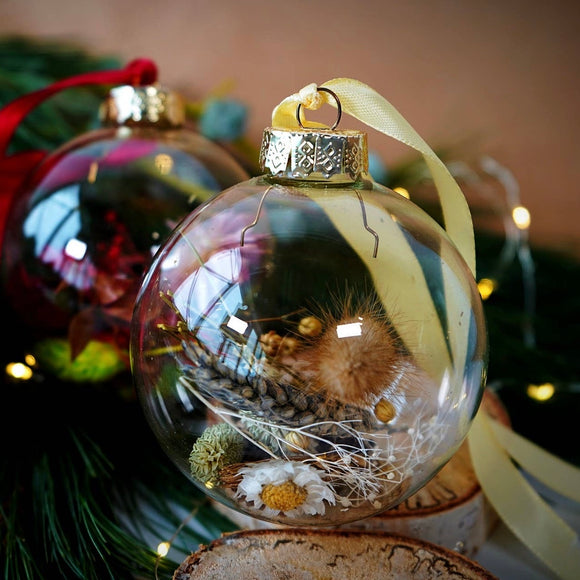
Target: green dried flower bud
point(218, 446)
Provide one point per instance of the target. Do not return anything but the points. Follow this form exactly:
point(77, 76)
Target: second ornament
point(89, 221)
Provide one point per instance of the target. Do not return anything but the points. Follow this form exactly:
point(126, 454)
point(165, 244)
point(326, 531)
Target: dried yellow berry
point(310, 326)
point(297, 440)
point(270, 342)
point(385, 411)
point(288, 346)
point(284, 497)
point(218, 446)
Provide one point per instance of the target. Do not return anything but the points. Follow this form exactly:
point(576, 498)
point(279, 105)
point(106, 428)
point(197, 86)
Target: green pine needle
point(28, 65)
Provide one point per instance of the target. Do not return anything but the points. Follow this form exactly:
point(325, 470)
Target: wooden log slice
point(299, 554)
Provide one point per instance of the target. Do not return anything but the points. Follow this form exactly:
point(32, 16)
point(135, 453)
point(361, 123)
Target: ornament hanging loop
point(338, 108)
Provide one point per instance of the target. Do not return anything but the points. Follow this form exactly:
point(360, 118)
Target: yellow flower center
point(283, 497)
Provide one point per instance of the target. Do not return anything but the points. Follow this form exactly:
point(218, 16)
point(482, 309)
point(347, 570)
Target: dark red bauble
point(91, 217)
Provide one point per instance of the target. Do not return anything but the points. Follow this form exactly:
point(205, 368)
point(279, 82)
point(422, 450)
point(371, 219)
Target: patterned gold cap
point(144, 105)
point(314, 154)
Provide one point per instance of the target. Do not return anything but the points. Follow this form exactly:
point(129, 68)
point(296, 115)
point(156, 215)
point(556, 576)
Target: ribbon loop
point(310, 97)
point(315, 104)
point(365, 104)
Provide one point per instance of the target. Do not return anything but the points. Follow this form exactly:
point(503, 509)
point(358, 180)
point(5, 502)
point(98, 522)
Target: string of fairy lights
point(516, 220)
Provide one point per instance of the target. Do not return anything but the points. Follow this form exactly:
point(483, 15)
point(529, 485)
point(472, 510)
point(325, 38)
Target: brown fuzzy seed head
point(288, 346)
point(357, 369)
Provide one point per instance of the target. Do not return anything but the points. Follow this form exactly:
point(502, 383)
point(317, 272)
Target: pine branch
point(28, 64)
point(65, 492)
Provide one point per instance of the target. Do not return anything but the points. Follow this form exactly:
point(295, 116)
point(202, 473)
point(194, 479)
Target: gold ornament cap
point(149, 105)
point(314, 154)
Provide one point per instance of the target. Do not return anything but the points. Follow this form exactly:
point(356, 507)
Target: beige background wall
point(500, 74)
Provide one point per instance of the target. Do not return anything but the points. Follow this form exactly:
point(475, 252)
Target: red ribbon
point(15, 168)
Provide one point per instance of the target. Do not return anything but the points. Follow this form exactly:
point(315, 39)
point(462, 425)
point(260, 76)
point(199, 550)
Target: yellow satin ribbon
point(492, 446)
point(516, 502)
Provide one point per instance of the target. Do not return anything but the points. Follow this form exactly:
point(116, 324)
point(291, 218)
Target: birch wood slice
point(450, 511)
point(297, 554)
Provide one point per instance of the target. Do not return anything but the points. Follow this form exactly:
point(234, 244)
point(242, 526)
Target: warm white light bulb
point(402, 191)
point(30, 360)
point(163, 548)
point(19, 371)
point(485, 286)
point(541, 392)
point(521, 217)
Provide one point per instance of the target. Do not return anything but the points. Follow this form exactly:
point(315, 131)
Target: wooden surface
point(325, 554)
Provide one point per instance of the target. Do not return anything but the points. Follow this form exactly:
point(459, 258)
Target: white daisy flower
point(287, 487)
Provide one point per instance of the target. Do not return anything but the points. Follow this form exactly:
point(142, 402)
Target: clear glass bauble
point(81, 236)
point(309, 352)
